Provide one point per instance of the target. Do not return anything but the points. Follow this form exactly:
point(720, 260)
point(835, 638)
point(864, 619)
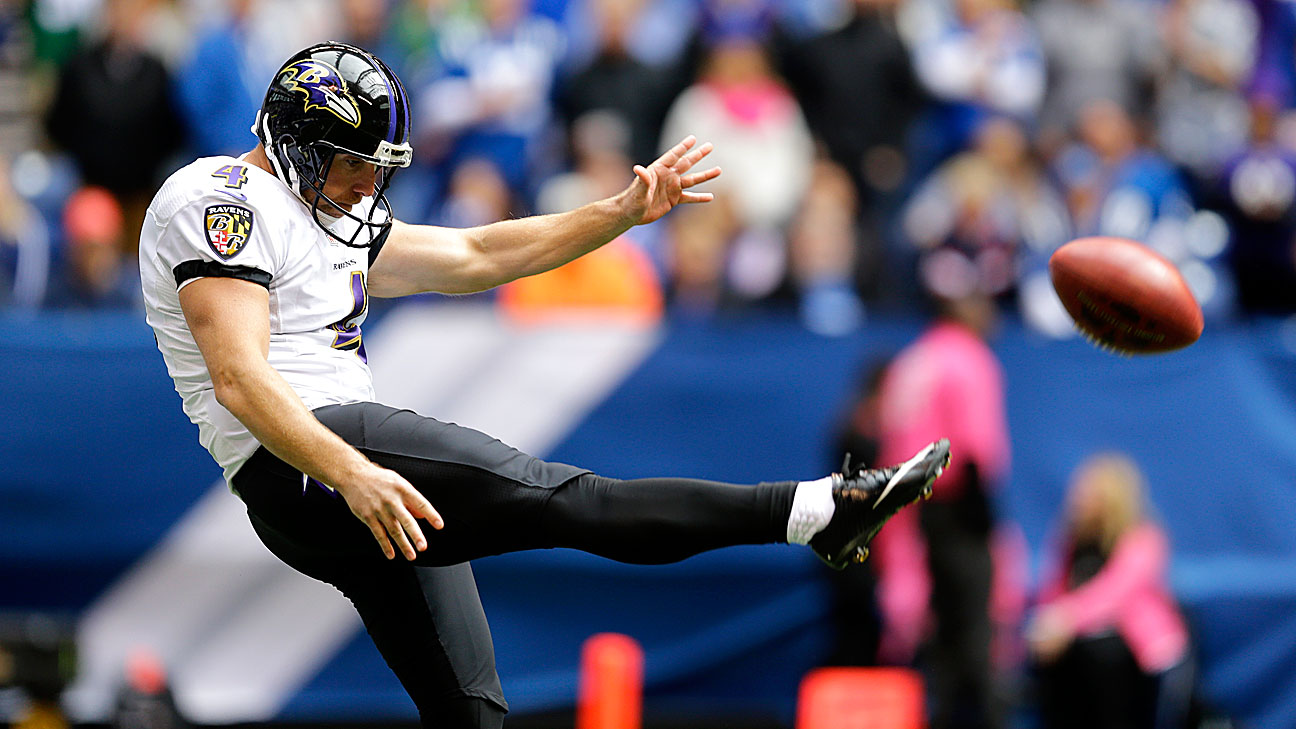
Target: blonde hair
point(1113, 487)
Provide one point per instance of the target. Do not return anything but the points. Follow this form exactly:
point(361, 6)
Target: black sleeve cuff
point(210, 269)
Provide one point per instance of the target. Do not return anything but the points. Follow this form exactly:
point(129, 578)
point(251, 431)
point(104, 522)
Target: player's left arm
point(419, 258)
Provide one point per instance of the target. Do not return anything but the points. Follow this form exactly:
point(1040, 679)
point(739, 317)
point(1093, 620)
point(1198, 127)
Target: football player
point(257, 272)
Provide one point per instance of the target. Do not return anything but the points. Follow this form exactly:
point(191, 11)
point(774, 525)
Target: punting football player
point(257, 272)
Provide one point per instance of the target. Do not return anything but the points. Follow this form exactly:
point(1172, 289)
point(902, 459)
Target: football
point(1124, 296)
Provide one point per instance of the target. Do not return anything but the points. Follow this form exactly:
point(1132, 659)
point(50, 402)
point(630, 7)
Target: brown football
point(1125, 296)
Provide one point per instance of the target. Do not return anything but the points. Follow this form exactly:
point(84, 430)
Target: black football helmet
point(329, 99)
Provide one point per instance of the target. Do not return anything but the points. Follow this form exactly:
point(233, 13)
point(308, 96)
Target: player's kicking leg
point(861, 502)
point(496, 499)
point(654, 521)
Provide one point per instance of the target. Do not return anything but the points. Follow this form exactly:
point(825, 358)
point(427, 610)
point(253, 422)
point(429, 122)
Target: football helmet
point(330, 99)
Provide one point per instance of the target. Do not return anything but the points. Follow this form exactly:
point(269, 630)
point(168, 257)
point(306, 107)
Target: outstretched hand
point(664, 184)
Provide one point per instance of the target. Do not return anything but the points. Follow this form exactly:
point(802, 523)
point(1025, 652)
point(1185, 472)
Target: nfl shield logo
point(228, 229)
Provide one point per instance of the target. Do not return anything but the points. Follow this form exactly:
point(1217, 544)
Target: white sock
point(812, 509)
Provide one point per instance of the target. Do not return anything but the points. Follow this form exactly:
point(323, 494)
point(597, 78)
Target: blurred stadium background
point(875, 152)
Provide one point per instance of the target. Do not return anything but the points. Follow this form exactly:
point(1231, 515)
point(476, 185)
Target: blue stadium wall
point(99, 462)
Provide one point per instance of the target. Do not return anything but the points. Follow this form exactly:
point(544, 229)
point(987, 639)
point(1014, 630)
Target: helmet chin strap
point(324, 218)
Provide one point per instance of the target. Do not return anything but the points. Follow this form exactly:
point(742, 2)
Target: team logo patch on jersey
point(228, 229)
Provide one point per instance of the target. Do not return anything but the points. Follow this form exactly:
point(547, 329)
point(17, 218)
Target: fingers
point(380, 534)
point(391, 508)
point(402, 522)
point(687, 161)
point(674, 154)
point(399, 526)
point(423, 509)
point(698, 178)
point(396, 528)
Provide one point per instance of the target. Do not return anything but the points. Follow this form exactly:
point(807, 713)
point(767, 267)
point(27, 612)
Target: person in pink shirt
point(1110, 644)
point(938, 561)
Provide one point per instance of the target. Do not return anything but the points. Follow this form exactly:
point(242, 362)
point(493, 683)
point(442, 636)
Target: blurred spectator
point(600, 150)
point(114, 114)
point(657, 33)
point(985, 59)
point(17, 90)
point(1111, 645)
point(824, 246)
point(614, 79)
point(1114, 184)
point(416, 28)
point(42, 714)
point(948, 382)
point(1275, 64)
point(38, 660)
point(700, 240)
point(145, 700)
point(24, 248)
point(617, 282)
point(855, 620)
point(165, 30)
point(992, 204)
point(1097, 50)
point(600, 144)
point(614, 283)
point(493, 97)
point(1257, 195)
point(857, 87)
point(221, 86)
point(478, 195)
point(57, 27)
point(95, 272)
point(367, 24)
point(239, 44)
point(1201, 114)
point(762, 141)
point(415, 37)
point(765, 149)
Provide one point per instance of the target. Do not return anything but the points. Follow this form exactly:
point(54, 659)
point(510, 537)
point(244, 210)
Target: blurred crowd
point(874, 150)
point(877, 155)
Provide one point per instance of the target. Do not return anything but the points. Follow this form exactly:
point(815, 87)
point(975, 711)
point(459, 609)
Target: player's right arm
point(230, 322)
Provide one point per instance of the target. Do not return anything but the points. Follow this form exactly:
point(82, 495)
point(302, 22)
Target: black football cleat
point(865, 499)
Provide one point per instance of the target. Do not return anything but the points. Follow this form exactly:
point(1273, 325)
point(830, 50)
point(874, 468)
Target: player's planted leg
point(864, 500)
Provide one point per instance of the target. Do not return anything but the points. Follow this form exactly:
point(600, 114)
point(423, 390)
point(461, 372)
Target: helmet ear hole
point(296, 157)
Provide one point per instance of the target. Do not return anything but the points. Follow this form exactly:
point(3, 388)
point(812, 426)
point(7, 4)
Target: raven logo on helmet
point(323, 87)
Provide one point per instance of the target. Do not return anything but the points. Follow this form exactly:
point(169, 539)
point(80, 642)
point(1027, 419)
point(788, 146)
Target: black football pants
point(425, 616)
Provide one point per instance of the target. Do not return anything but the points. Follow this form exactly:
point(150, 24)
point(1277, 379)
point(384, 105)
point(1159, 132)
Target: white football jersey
point(221, 216)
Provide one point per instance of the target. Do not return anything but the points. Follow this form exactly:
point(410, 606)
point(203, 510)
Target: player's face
point(350, 179)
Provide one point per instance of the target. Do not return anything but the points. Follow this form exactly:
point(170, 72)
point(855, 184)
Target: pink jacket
point(947, 384)
point(1129, 594)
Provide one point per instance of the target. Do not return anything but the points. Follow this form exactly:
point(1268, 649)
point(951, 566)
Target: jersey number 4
point(348, 331)
point(234, 175)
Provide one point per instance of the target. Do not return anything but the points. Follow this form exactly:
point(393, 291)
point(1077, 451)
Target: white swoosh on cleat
point(906, 467)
